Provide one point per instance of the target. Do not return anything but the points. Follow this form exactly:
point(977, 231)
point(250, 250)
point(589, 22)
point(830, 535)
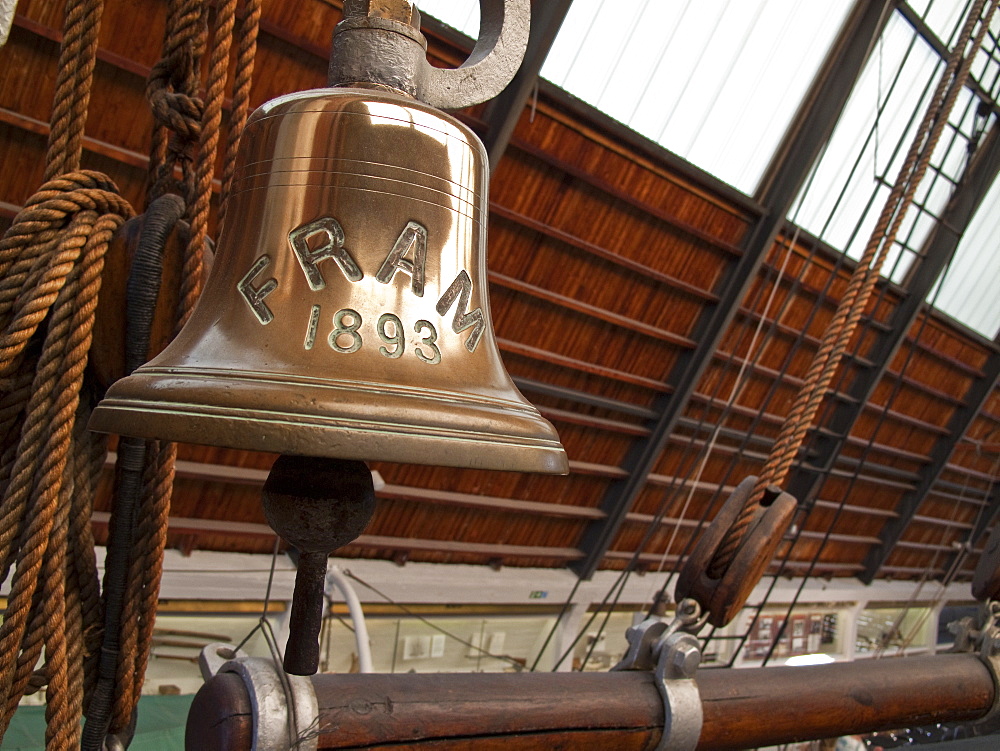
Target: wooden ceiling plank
point(600, 423)
point(210, 472)
point(675, 223)
point(31, 125)
point(648, 272)
point(536, 353)
point(593, 311)
point(491, 503)
point(852, 509)
point(984, 523)
point(215, 526)
point(580, 397)
point(976, 396)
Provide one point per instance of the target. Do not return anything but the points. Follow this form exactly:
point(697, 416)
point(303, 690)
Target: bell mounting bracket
point(379, 44)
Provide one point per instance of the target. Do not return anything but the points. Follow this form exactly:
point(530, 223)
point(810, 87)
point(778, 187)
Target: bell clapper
point(317, 505)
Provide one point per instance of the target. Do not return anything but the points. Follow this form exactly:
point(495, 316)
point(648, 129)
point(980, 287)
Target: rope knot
point(166, 88)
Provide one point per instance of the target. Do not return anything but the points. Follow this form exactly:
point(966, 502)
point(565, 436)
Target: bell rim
point(256, 378)
point(263, 430)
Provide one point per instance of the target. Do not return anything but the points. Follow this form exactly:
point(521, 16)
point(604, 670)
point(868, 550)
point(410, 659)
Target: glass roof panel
point(459, 14)
point(716, 82)
point(853, 178)
point(968, 290)
point(712, 82)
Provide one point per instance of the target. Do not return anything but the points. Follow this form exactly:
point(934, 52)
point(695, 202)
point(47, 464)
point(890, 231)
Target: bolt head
point(686, 659)
point(391, 10)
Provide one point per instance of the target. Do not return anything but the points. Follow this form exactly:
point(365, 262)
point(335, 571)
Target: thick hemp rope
point(50, 274)
point(862, 283)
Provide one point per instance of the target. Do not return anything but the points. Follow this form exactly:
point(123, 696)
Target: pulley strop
point(347, 316)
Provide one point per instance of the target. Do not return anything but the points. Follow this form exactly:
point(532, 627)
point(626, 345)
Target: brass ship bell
point(346, 314)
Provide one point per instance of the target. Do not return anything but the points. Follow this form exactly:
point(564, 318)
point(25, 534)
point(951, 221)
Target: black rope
point(141, 293)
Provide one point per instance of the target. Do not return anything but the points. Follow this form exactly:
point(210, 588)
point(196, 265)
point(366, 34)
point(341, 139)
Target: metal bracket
point(981, 634)
point(285, 710)
point(673, 653)
point(380, 44)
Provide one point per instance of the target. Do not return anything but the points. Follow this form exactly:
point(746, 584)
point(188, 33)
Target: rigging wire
point(555, 625)
point(960, 556)
point(773, 328)
point(752, 359)
point(748, 436)
point(483, 652)
point(786, 558)
point(267, 599)
point(668, 495)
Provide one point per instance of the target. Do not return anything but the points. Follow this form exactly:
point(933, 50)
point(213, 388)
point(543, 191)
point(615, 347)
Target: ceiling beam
point(788, 171)
point(825, 446)
point(975, 397)
point(401, 544)
point(987, 518)
point(503, 111)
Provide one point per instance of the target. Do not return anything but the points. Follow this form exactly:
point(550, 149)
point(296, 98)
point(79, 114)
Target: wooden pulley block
point(725, 594)
point(986, 580)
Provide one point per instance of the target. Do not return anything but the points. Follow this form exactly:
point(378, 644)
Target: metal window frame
point(789, 168)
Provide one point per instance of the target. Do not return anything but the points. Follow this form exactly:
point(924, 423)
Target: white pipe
point(334, 574)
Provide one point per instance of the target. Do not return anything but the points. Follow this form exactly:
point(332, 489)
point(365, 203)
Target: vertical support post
point(503, 112)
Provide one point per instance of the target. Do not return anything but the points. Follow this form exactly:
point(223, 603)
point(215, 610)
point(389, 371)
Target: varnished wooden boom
point(742, 708)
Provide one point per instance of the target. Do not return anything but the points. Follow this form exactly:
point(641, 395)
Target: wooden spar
point(536, 711)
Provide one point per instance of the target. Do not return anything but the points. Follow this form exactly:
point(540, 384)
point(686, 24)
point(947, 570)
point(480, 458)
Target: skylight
point(968, 289)
point(717, 82)
point(714, 82)
point(853, 179)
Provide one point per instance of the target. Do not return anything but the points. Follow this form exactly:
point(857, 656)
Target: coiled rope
point(50, 275)
point(50, 265)
point(51, 261)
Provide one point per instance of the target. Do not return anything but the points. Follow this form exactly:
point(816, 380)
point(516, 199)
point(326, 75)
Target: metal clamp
point(673, 653)
point(380, 44)
point(285, 710)
point(981, 634)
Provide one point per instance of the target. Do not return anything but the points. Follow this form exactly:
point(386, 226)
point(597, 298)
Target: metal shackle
point(379, 43)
